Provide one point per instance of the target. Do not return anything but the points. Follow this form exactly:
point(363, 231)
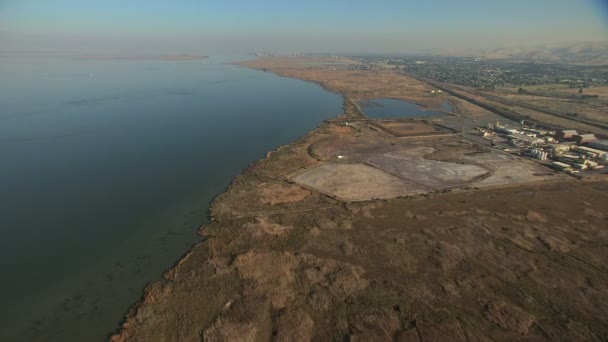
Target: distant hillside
point(595, 53)
point(587, 53)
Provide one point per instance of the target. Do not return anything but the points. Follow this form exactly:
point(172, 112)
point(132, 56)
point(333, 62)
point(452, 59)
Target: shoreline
point(323, 86)
point(280, 258)
point(213, 218)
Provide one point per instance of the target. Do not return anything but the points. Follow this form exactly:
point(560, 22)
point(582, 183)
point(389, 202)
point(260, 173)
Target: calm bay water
point(391, 108)
point(107, 169)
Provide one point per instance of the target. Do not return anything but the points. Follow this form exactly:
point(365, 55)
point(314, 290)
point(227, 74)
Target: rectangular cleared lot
point(355, 182)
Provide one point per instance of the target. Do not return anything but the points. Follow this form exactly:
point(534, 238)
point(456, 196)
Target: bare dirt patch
point(509, 170)
point(407, 171)
point(355, 182)
point(509, 317)
point(408, 128)
point(433, 175)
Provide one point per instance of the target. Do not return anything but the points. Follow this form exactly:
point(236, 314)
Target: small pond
point(447, 107)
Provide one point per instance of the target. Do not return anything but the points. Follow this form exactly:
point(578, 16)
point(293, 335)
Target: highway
point(457, 91)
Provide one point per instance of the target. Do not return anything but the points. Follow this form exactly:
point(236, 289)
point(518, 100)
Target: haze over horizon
point(338, 26)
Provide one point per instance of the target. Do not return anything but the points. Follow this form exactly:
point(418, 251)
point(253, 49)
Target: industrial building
point(584, 138)
point(566, 134)
point(505, 130)
point(561, 166)
point(592, 153)
point(538, 154)
point(599, 145)
point(567, 156)
point(558, 149)
point(519, 139)
point(571, 159)
point(580, 166)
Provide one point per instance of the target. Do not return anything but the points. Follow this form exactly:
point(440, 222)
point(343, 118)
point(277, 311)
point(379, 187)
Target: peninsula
point(408, 229)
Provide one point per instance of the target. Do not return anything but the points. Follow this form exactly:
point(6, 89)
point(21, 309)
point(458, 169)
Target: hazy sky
point(226, 26)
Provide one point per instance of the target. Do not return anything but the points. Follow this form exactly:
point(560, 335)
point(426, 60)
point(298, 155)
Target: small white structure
point(561, 166)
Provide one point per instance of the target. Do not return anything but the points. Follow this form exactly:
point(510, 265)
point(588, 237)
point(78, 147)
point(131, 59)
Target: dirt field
point(410, 164)
point(359, 85)
point(401, 168)
point(355, 182)
point(523, 261)
point(407, 128)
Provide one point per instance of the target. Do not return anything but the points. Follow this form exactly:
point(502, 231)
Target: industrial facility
point(565, 150)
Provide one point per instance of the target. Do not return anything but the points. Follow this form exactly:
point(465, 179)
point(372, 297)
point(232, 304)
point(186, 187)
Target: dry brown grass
point(355, 84)
point(522, 262)
point(300, 62)
point(514, 263)
point(361, 85)
point(561, 88)
point(592, 109)
point(274, 194)
point(467, 109)
point(544, 117)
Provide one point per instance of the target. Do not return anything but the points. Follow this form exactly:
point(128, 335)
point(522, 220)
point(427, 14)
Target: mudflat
point(354, 233)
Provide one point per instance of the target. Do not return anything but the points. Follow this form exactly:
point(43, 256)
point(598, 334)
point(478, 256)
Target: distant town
point(487, 73)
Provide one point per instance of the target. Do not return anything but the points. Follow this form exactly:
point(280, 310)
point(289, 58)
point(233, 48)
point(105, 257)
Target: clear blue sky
point(304, 25)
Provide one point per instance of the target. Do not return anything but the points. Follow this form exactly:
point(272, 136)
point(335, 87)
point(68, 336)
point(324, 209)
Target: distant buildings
point(564, 147)
point(489, 74)
point(518, 139)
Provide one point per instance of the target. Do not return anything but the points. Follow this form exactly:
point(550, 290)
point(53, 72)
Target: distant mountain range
point(586, 53)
